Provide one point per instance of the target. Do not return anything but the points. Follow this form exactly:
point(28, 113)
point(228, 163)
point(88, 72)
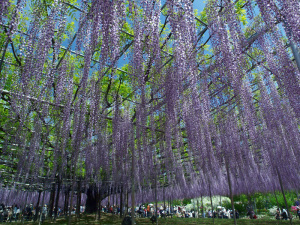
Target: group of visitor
point(9, 213)
point(16, 213)
point(30, 212)
point(178, 211)
point(251, 214)
point(115, 209)
point(221, 213)
point(281, 214)
point(142, 211)
point(182, 212)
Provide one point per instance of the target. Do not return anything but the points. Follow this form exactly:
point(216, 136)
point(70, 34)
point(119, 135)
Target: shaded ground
point(112, 219)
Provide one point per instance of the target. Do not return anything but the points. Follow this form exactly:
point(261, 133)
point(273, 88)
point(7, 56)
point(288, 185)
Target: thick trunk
point(91, 204)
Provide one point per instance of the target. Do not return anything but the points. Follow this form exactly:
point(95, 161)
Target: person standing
point(9, 214)
point(250, 214)
point(237, 215)
point(1, 212)
point(44, 212)
point(298, 212)
point(284, 214)
point(148, 210)
point(277, 215)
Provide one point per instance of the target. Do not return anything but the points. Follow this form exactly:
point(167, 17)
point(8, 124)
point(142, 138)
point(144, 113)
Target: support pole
point(198, 208)
point(66, 203)
point(121, 202)
point(126, 208)
point(285, 201)
point(57, 199)
point(78, 202)
point(73, 179)
point(37, 208)
point(211, 204)
point(108, 202)
point(276, 200)
point(156, 219)
point(142, 195)
point(51, 201)
point(169, 205)
point(71, 201)
point(255, 209)
point(202, 206)
point(132, 184)
point(99, 204)
point(231, 194)
point(41, 215)
point(113, 200)
point(164, 197)
point(164, 193)
point(132, 204)
point(25, 206)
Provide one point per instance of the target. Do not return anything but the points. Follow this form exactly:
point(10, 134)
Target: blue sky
point(199, 4)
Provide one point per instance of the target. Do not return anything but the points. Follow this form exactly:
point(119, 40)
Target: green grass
point(107, 219)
